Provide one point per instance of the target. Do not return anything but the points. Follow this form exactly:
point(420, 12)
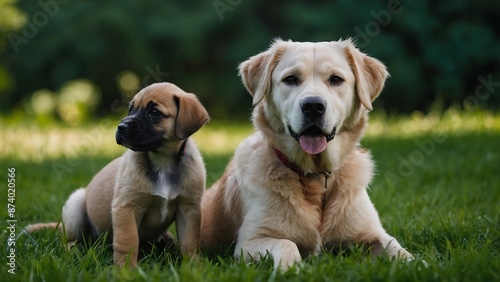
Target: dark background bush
point(434, 50)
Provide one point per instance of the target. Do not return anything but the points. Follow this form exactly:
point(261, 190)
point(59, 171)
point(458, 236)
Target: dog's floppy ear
point(256, 71)
point(370, 74)
point(191, 115)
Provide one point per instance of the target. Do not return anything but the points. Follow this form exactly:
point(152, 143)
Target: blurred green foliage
point(435, 50)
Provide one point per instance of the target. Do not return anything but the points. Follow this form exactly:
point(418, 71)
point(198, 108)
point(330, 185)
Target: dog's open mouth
point(312, 140)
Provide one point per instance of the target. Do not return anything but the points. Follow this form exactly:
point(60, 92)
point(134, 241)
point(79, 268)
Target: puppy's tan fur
point(122, 198)
point(263, 205)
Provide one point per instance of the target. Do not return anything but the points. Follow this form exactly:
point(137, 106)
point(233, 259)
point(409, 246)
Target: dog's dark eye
point(335, 80)
point(291, 80)
point(155, 114)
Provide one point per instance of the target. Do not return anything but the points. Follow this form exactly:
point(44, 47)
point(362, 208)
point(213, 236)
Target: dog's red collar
point(288, 163)
point(296, 168)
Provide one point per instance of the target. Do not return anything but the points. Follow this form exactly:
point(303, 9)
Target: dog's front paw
point(402, 254)
point(285, 255)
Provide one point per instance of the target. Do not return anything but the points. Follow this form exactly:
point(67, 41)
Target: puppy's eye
point(291, 80)
point(155, 114)
point(335, 80)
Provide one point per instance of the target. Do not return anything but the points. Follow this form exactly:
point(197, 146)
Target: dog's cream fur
point(264, 206)
point(123, 199)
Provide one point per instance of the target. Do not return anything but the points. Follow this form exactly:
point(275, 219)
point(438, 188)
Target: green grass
point(441, 200)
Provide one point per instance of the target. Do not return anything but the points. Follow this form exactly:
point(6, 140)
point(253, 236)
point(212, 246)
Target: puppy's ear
point(191, 115)
point(256, 71)
point(370, 74)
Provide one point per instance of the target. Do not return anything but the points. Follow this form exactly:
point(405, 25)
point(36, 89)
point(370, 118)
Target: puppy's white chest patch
point(164, 187)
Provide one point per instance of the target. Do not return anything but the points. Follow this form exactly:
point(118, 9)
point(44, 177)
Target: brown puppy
point(299, 182)
point(161, 178)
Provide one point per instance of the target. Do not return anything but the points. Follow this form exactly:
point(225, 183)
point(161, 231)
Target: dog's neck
point(163, 168)
point(294, 167)
point(288, 163)
point(170, 153)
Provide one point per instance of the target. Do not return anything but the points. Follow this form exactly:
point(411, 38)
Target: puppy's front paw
point(121, 258)
point(122, 261)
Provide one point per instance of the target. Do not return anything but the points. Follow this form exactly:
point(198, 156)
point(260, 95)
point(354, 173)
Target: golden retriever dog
point(299, 182)
point(158, 180)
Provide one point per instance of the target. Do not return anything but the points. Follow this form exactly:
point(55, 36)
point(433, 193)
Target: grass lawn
point(437, 191)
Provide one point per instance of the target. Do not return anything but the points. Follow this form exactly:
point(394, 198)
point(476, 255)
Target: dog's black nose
point(313, 106)
point(122, 127)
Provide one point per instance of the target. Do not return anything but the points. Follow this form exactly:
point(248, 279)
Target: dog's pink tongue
point(313, 144)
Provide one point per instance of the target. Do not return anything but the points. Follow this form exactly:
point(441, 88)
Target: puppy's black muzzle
point(126, 131)
point(137, 134)
point(124, 128)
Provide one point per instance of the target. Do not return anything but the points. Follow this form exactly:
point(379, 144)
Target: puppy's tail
point(74, 214)
point(39, 226)
point(73, 217)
